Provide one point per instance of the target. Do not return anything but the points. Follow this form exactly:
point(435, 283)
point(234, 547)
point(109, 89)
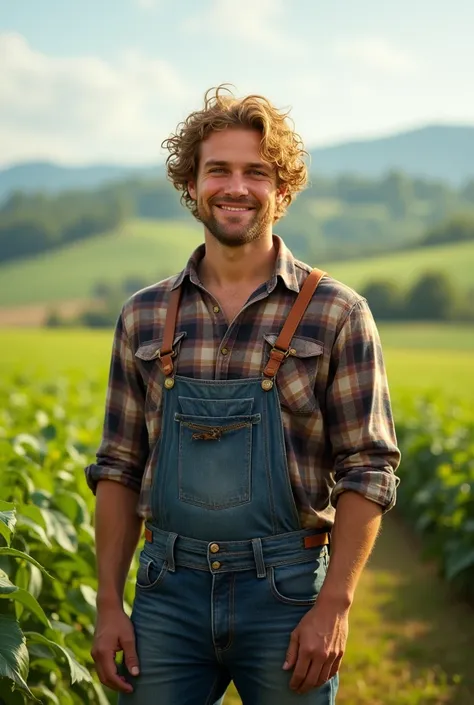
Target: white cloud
point(256, 22)
point(376, 53)
point(83, 109)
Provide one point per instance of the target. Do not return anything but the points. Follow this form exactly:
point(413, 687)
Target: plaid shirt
point(333, 389)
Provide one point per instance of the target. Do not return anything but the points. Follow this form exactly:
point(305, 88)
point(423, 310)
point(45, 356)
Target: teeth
point(229, 208)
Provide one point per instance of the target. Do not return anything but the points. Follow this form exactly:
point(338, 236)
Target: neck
point(252, 263)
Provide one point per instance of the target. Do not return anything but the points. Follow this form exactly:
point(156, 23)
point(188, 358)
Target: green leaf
point(32, 512)
point(21, 554)
point(6, 586)
point(73, 506)
point(36, 581)
point(11, 697)
point(7, 520)
point(14, 659)
point(457, 563)
point(61, 529)
point(65, 697)
point(13, 592)
point(78, 673)
point(100, 694)
point(25, 444)
point(46, 694)
point(26, 522)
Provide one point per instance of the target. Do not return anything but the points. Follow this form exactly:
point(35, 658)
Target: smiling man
point(248, 423)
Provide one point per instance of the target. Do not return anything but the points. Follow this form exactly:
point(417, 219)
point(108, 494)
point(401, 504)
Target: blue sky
point(107, 80)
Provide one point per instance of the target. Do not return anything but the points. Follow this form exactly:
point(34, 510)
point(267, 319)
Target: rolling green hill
point(142, 248)
point(456, 259)
point(155, 249)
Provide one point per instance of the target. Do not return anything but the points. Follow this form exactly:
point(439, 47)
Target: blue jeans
point(206, 614)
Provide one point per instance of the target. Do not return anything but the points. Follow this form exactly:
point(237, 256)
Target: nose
point(235, 186)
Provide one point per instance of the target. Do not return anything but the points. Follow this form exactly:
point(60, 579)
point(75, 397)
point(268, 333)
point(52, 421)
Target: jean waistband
point(225, 556)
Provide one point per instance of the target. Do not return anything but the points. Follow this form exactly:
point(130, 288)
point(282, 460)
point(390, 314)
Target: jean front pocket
point(215, 452)
point(299, 583)
point(151, 572)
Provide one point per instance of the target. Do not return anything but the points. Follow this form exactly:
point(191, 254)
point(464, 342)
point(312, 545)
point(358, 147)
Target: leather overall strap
point(167, 353)
point(282, 349)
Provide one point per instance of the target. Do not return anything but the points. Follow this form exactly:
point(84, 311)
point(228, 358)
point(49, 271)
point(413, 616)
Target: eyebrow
point(220, 162)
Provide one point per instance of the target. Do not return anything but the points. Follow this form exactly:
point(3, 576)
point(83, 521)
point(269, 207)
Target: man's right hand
point(114, 633)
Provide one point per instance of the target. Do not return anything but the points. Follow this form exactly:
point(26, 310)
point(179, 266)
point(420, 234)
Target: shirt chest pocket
point(149, 355)
point(296, 377)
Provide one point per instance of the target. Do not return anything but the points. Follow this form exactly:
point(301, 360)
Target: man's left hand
point(317, 646)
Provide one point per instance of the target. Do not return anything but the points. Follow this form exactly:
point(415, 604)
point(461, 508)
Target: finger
point(301, 669)
point(292, 652)
point(312, 676)
point(130, 656)
point(110, 677)
point(335, 667)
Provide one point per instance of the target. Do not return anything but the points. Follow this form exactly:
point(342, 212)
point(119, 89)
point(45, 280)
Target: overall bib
point(226, 572)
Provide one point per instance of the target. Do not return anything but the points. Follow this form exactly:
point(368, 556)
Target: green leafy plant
point(47, 559)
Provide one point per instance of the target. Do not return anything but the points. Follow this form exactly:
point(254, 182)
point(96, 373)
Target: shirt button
point(216, 309)
point(214, 547)
point(215, 565)
point(224, 351)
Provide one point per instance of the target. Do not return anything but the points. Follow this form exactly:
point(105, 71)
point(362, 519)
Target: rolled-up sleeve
point(124, 447)
point(360, 421)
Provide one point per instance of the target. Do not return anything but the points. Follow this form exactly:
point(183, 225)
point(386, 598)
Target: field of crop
point(150, 248)
point(411, 636)
point(416, 355)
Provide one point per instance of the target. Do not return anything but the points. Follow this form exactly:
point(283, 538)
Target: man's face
point(236, 192)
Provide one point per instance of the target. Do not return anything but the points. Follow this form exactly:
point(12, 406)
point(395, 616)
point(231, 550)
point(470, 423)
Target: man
point(247, 417)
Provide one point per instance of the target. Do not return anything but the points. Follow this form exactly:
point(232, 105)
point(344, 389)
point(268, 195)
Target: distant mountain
point(442, 152)
point(436, 152)
point(51, 178)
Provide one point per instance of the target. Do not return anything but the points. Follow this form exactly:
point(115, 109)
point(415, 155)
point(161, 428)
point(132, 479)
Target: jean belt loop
point(170, 542)
point(258, 555)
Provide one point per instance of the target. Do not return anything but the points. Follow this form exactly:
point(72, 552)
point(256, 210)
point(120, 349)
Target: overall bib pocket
point(215, 451)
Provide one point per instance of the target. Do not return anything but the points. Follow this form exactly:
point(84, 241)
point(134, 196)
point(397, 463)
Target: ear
point(192, 189)
point(281, 192)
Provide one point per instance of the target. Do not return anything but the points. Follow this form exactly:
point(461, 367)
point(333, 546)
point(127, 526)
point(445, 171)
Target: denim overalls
point(226, 572)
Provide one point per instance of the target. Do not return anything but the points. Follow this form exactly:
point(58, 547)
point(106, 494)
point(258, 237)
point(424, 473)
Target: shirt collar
point(284, 268)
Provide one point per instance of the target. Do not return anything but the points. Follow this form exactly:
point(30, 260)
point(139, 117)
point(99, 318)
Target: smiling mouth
point(235, 209)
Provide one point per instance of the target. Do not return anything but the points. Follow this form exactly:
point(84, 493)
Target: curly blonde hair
point(280, 144)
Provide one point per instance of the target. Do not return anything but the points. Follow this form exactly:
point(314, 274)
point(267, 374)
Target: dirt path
point(34, 315)
point(410, 642)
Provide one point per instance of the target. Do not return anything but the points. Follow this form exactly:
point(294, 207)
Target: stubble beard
point(236, 238)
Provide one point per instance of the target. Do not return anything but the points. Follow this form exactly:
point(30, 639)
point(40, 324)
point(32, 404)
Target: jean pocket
point(215, 458)
point(296, 377)
point(151, 572)
point(299, 583)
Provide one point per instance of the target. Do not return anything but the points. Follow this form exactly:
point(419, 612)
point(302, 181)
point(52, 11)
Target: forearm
point(355, 530)
point(117, 532)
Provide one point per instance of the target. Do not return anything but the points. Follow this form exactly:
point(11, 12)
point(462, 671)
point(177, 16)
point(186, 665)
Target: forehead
point(232, 145)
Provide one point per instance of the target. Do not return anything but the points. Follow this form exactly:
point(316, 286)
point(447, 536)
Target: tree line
point(431, 297)
point(337, 218)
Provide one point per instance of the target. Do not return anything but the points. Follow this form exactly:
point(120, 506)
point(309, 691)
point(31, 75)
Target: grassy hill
point(155, 248)
point(405, 266)
point(151, 249)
